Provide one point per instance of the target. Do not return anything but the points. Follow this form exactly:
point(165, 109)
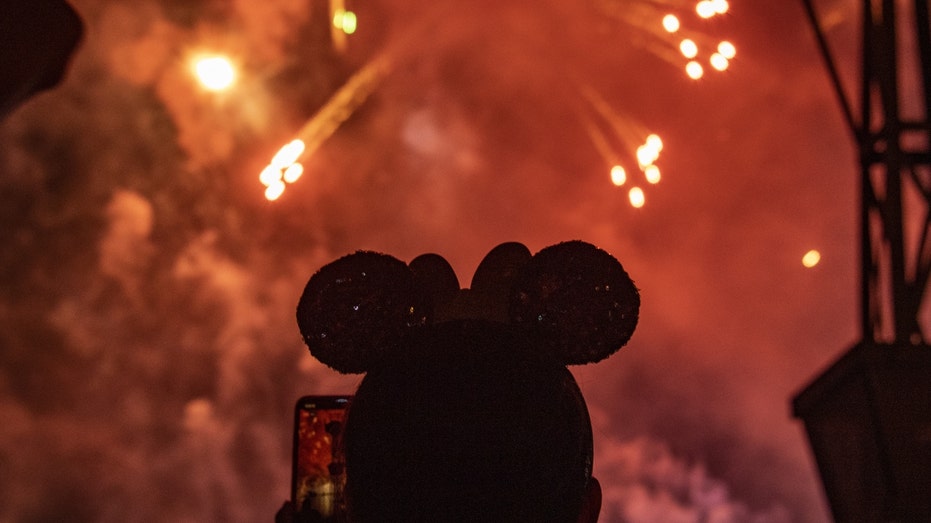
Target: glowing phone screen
point(319, 469)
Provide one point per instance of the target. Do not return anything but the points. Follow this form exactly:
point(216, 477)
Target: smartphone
point(318, 473)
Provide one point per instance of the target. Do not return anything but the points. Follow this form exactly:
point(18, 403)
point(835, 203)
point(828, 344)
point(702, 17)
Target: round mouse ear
point(579, 300)
point(495, 277)
point(356, 309)
point(500, 267)
point(436, 280)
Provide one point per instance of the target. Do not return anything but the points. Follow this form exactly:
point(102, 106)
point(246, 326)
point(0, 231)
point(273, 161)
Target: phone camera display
point(319, 466)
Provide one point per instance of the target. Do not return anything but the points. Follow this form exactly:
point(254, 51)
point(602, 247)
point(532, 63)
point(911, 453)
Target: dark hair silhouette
point(467, 411)
point(37, 41)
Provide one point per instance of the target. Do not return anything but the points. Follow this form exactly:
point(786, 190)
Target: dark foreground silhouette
point(467, 411)
point(37, 39)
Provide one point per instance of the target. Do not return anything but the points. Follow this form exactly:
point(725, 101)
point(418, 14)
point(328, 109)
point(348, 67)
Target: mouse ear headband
point(573, 299)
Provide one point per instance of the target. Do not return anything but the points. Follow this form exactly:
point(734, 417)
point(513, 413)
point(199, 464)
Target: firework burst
point(631, 151)
point(675, 42)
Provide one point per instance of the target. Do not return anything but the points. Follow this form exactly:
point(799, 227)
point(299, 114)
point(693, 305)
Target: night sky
point(149, 355)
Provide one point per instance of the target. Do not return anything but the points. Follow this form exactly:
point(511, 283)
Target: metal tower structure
point(868, 416)
point(894, 139)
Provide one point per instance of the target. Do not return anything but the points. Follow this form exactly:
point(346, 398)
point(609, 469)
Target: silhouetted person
point(467, 411)
point(37, 39)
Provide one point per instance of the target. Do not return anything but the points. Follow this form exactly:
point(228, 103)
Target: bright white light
point(270, 175)
point(274, 191)
point(694, 70)
point(720, 6)
point(671, 23)
point(652, 174)
point(618, 175)
point(688, 48)
point(655, 142)
point(637, 199)
point(719, 61)
point(645, 156)
point(705, 9)
point(727, 49)
point(288, 154)
point(283, 169)
point(293, 172)
point(215, 73)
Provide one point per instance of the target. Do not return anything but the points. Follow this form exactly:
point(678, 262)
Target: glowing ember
point(637, 199)
point(694, 70)
point(811, 258)
point(727, 50)
point(720, 6)
point(274, 191)
point(215, 73)
point(671, 23)
point(651, 172)
point(345, 21)
point(646, 154)
point(692, 49)
point(324, 123)
point(719, 61)
point(288, 154)
point(655, 142)
point(705, 9)
point(293, 172)
point(689, 48)
point(270, 175)
point(282, 170)
point(618, 175)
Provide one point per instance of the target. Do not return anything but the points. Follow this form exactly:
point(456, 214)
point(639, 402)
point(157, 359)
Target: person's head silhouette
point(467, 411)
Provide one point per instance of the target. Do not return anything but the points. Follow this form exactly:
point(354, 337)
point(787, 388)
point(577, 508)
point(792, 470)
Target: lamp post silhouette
point(868, 416)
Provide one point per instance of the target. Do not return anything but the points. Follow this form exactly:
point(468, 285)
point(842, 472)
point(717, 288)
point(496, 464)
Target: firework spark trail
point(627, 131)
point(655, 23)
point(344, 103)
point(600, 141)
point(325, 122)
point(663, 34)
point(284, 169)
point(340, 107)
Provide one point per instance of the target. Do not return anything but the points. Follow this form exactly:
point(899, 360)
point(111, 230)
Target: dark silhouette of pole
point(895, 268)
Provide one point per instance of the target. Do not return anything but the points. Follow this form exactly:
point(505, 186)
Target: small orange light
point(811, 258)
